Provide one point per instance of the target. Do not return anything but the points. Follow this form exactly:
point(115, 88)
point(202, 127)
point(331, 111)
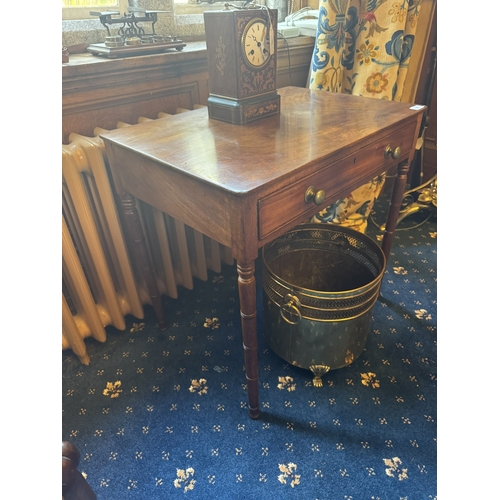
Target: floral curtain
point(363, 48)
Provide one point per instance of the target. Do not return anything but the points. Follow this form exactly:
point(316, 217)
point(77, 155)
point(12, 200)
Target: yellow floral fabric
point(353, 210)
point(363, 48)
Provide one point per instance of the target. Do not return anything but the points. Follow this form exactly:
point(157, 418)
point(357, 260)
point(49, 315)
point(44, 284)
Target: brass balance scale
point(132, 39)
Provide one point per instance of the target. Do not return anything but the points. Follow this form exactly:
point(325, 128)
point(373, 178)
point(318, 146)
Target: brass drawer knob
point(317, 196)
point(394, 153)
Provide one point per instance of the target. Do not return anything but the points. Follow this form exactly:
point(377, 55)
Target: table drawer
point(288, 204)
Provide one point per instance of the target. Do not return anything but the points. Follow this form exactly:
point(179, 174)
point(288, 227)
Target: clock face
point(255, 43)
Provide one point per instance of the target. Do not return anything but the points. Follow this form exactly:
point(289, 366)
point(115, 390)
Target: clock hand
point(259, 44)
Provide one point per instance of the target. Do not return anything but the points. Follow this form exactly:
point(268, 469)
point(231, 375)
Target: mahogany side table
point(252, 183)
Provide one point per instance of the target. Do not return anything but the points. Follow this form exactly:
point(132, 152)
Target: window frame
point(190, 8)
point(78, 13)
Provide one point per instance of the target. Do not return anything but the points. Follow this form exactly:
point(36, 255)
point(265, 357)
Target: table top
point(314, 127)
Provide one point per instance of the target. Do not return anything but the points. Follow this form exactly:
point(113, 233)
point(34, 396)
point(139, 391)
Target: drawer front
point(288, 204)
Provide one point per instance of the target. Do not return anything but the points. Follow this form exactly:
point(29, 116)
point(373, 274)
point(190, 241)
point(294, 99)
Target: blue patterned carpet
point(161, 415)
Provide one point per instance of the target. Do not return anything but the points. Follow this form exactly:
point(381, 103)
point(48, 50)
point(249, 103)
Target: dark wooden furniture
point(424, 80)
point(74, 485)
point(245, 185)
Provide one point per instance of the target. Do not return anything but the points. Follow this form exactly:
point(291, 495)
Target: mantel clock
point(241, 51)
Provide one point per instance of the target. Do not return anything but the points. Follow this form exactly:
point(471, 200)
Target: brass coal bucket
point(320, 284)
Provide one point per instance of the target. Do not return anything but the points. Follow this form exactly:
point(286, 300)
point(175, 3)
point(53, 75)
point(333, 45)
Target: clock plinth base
point(243, 111)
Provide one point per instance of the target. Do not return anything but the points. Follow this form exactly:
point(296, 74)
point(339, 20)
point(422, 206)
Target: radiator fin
point(102, 282)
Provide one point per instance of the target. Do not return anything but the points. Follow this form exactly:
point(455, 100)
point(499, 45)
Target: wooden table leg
point(137, 234)
point(396, 199)
point(248, 312)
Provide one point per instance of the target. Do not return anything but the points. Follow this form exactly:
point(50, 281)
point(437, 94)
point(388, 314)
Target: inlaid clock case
point(239, 92)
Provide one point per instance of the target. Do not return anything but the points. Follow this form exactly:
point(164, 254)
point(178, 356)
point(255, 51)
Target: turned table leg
point(135, 229)
point(396, 199)
point(248, 312)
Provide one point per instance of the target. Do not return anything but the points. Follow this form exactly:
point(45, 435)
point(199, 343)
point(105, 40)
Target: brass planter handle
point(290, 309)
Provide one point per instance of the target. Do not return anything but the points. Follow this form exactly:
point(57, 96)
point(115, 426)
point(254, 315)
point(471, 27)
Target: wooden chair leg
point(74, 485)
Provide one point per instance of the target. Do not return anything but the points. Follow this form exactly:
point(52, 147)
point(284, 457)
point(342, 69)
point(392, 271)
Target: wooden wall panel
point(129, 108)
point(99, 92)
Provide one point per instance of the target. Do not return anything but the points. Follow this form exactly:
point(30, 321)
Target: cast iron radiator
point(101, 282)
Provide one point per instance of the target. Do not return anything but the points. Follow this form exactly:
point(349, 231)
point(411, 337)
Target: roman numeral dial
point(255, 43)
